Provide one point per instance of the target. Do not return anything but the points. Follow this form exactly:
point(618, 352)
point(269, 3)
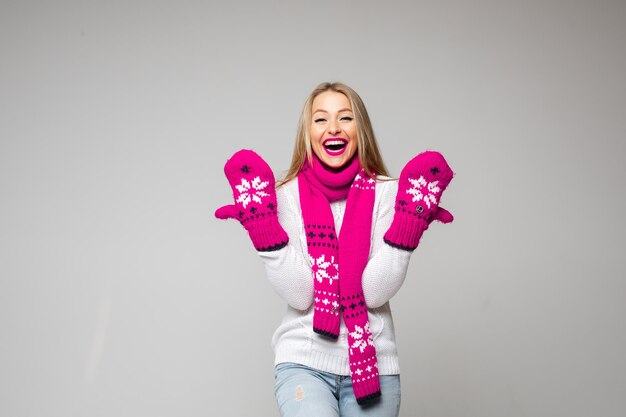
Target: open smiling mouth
point(335, 146)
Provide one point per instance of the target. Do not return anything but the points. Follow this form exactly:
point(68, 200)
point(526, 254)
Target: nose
point(333, 127)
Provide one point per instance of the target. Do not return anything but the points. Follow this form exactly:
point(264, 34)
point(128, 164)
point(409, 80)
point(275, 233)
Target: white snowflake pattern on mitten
point(422, 190)
point(251, 191)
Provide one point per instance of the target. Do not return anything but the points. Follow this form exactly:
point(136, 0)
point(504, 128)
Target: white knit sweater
point(289, 271)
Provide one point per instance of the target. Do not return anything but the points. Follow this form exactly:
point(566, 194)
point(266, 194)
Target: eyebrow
point(324, 111)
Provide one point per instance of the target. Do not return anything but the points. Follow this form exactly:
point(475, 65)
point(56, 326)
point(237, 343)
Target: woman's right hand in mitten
point(253, 184)
point(421, 183)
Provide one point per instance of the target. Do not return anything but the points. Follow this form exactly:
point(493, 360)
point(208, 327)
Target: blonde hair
point(367, 148)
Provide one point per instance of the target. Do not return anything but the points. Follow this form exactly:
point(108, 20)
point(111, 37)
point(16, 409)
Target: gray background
point(120, 295)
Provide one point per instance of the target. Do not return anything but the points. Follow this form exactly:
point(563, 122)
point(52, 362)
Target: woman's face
point(333, 129)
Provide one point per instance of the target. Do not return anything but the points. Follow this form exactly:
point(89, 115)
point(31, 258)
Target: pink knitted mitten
point(253, 184)
point(421, 183)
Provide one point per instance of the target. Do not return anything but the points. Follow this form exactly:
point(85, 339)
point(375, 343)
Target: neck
point(336, 170)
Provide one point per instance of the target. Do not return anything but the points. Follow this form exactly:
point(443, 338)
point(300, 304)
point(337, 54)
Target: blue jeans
point(305, 392)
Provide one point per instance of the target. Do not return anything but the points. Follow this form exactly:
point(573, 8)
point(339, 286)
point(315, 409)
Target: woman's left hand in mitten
point(421, 183)
point(253, 184)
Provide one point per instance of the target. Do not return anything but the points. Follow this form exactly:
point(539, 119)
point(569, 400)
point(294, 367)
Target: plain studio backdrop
point(121, 295)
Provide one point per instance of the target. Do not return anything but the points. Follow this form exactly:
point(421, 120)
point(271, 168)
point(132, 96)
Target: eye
point(346, 118)
point(319, 120)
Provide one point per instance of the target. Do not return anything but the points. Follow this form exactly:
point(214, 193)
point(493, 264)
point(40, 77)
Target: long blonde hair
point(367, 148)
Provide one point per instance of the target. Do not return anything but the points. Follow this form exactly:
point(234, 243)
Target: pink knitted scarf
point(348, 251)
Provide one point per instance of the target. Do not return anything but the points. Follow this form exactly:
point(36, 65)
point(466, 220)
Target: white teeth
point(334, 142)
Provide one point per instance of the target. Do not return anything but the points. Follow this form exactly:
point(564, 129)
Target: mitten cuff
point(405, 231)
point(267, 234)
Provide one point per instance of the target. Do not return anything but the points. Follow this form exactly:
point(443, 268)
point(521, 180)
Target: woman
point(336, 237)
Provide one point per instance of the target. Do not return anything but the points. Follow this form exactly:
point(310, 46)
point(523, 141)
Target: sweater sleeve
point(387, 266)
point(287, 269)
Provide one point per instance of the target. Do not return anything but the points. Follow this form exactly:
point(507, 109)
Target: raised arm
point(270, 221)
point(386, 268)
point(406, 209)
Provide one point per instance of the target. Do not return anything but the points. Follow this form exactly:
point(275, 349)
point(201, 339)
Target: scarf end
point(368, 398)
point(327, 333)
point(367, 389)
point(326, 324)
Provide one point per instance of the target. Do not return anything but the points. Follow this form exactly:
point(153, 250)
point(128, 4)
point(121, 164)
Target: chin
point(335, 163)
